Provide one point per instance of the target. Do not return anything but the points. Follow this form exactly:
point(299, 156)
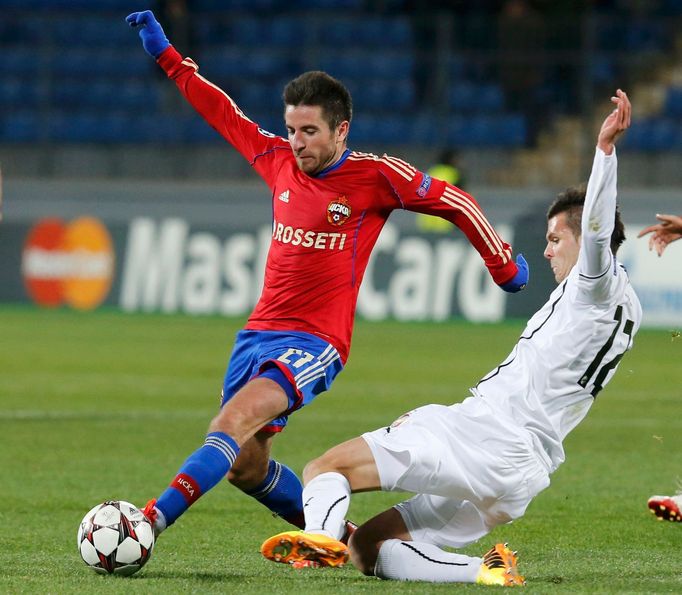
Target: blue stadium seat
point(362, 130)
point(155, 128)
point(269, 120)
point(92, 31)
point(398, 32)
point(610, 34)
point(652, 135)
point(22, 29)
point(22, 93)
point(367, 64)
point(677, 143)
point(663, 134)
point(210, 31)
point(491, 98)
point(392, 130)
point(645, 35)
point(113, 61)
point(198, 131)
point(456, 131)
point(398, 64)
point(137, 94)
point(378, 94)
point(602, 69)
point(112, 6)
point(73, 127)
point(247, 31)
point(114, 128)
point(375, 32)
point(457, 69)
point(236, 62)
point(22, 126)
point(463, 96)
point(351, 65)
point(339, 5)
point(427, 130)
point(673, 102)
point(22, 61)
point(261, 97)
point(469, 97)
point(512, 131)
point(104, 94)
point(286, 32)
point(484, 131)
point(636, 137)
point(219, 6)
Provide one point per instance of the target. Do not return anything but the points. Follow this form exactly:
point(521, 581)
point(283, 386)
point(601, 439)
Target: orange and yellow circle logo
point(68, 263)
point(338, 211)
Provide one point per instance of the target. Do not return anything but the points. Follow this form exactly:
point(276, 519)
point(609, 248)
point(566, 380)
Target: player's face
point(314, 144)
point(562, 247)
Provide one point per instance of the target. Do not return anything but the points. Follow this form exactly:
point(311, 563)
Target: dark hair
point(571, 202)
point(318, 88)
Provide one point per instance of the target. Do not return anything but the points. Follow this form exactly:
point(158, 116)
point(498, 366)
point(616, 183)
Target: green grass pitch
point(107, 405)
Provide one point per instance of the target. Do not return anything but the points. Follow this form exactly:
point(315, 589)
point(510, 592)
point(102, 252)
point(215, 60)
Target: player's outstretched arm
point(600, 200)
point(668, 230)
point(154, 40)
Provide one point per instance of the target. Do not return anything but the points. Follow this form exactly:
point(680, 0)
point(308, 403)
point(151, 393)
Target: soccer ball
point(115, 538)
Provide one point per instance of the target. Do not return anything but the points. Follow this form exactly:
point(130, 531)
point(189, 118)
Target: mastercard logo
point(68, 263)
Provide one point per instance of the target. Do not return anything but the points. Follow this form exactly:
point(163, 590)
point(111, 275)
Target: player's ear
point(342, 130)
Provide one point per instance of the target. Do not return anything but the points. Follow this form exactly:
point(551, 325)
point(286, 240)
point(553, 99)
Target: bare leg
point(353, 459)
point(367, 540)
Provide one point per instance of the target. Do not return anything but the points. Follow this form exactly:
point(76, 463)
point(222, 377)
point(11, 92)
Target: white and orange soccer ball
point(115, 538)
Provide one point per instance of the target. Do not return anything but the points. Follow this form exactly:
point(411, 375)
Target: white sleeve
point(598, 217)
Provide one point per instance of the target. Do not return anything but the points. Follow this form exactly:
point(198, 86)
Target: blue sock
point(203, 469)
point(281, 491)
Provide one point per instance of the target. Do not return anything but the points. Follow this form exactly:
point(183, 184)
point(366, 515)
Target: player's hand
point(668, 230)
point(617, 122)
point(154, 40)
point(520, 280)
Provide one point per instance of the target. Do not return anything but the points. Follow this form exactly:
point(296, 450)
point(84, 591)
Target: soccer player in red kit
point(329, 205)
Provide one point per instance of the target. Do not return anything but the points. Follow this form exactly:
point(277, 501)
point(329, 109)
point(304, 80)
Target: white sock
point(160, 522)
point(414, 561)
point(325, 503)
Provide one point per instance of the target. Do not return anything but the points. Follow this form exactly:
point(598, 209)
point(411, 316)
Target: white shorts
point(470, 469)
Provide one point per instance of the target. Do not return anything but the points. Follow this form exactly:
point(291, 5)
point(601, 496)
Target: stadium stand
point(74, 73)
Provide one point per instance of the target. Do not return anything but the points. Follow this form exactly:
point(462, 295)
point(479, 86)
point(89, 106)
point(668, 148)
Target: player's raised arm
point(212, 103)
point(598, 217)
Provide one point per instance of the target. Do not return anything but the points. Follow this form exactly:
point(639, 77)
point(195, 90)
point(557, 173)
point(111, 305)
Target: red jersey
point(325, 226)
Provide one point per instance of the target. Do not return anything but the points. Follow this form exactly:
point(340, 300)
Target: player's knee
point(248, 471)
point(233, 422)
point(245, 478)
point(364, 550)
point(311, 470)
point(322, 464)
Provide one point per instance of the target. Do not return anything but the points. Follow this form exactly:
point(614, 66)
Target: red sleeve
point(263, 150)
point(418, 192)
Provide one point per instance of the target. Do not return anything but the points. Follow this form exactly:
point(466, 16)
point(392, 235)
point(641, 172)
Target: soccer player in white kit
point(477, 464)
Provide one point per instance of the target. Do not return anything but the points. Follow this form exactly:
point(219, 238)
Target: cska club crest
point(338, 211)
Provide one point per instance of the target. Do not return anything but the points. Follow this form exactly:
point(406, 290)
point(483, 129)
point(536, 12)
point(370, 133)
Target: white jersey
point(571, 347)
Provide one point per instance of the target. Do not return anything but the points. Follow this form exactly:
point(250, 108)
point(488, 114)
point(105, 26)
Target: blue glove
point(520, 280)
point(153, 38)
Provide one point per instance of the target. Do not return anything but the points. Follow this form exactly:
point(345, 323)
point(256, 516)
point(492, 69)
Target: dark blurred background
point(516, 86)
